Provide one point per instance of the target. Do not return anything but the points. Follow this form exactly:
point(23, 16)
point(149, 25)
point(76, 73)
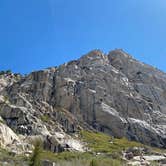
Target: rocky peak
point(118, 58)
point(94, 54)
point(113, 93)
point(94, 58)
point(8, 79)
point(119, 53)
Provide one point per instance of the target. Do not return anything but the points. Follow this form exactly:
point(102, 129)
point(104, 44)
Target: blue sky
point(36, 34)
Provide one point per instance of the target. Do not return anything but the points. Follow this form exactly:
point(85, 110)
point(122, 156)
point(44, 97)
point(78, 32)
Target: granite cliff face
point(112, 93)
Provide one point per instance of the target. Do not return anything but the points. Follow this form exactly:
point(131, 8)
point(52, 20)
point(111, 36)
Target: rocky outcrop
point(112, 93)
point(60, 142)
point(12, 142)
point(7, 136)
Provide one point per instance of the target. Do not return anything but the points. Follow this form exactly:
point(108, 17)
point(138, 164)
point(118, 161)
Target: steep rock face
point(112, 93)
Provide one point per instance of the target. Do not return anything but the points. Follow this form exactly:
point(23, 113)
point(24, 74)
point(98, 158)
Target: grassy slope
point(103, 143)
point(109, 148)
point(11, 159)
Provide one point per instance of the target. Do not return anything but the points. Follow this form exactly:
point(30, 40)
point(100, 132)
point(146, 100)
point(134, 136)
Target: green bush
point(93, 163)
point(8, 71)
point(45, 118)
point(2, 72)
point(6, 99)
point(35, 158)
point(5, 72)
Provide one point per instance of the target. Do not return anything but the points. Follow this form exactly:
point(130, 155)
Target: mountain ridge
point(71, 60)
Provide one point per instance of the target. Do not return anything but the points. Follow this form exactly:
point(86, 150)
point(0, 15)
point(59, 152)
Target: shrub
point(2, 72)
point(35, 158)
point(93, 163)
point(8, 71)
point(5, 72)
point(45, 118)
point(6, 99)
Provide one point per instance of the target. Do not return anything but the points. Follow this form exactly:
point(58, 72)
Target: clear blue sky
point(36, 34)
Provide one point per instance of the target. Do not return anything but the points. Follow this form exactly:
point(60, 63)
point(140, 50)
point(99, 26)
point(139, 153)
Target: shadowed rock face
point(112, 93)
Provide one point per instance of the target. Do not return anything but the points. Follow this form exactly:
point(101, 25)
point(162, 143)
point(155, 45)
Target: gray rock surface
point(112, 93)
